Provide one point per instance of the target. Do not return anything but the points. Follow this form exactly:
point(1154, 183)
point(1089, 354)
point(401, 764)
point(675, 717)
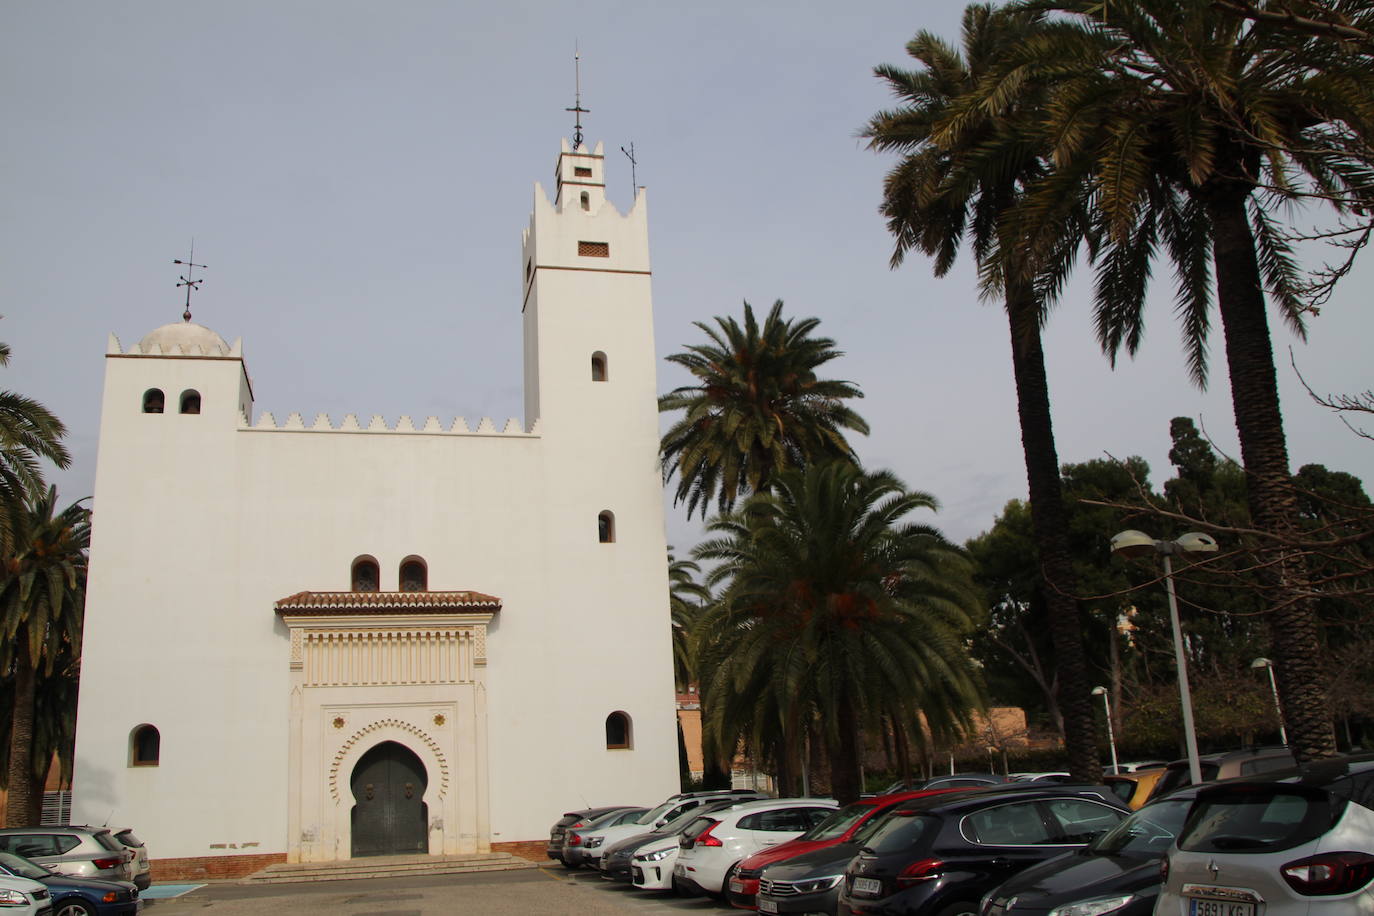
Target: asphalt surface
point(531, 892)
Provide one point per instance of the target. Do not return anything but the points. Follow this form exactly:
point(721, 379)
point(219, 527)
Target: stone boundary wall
point(534, 850)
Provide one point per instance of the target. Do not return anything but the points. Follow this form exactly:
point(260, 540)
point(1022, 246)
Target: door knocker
point(368, 791)
point(410, 790)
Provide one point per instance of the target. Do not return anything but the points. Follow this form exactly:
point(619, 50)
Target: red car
point(839, 827)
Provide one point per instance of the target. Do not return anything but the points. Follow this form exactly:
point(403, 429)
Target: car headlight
point(1094, 907)
point(657, 856)
point(13, 898)
point(816, 885)
point(593, 842)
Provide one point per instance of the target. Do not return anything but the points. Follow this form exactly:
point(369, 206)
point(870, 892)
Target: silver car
point(1295, 843)
point(80, 852)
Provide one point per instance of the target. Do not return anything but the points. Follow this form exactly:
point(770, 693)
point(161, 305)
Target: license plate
point(1204, 907)
point(767, 906)
point(736, 886)
point(869, 887)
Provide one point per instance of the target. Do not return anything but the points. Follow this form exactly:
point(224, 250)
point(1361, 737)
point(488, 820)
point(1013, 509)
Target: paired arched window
point(190, 401)
point(598, 366)
point(366, 576)
point(153, 400)
point(618, 733)
point(414, 575)
point(145, 746)
point(605, 527)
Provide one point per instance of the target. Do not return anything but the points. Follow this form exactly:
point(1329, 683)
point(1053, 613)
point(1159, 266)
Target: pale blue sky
point(357, 176)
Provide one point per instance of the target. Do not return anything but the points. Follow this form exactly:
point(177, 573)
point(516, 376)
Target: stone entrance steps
point(387, 867)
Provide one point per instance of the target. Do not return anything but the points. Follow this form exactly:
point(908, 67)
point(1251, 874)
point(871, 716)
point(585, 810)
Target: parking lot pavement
point(536, 892)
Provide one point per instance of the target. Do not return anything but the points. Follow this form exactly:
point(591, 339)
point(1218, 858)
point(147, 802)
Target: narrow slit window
point(598, 366)
point(605, 528)
point(594, 249)
point(586, 201)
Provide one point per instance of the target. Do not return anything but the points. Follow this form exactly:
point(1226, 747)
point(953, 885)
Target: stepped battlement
point(377, 424)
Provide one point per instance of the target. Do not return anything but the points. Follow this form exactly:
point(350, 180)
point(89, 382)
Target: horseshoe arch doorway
point(389, 815)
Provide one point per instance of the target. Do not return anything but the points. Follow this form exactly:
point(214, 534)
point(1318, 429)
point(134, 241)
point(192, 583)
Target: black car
point(615, 861)
point(76, 896)
point(1117, 873)
point(570, 820)
point(810, 882)
point(938, 856)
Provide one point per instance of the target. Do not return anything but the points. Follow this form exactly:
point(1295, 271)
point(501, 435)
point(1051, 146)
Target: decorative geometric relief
point(295, 650)
point(401, 725)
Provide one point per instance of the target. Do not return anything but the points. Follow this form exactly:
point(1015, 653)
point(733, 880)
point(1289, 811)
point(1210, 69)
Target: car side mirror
point(660, 822)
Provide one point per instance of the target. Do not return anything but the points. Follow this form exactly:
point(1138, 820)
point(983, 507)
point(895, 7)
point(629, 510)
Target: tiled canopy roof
point(334, 603)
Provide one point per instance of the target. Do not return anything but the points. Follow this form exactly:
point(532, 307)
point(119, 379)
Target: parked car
point(1135, 766)
point(617, 862)
point(579, 818)
point(82, 852)
point(1134, 788)
point(661, 816)
point(716, 843)
point(1296, 843)
point(75, 896)
point(1227, 765)
point(142, 869)
point(24, 897)
point(940, 855)
point(1116, 874)
point(582, 845)
point(839, 827)
point(651, 866)
point(949, 781)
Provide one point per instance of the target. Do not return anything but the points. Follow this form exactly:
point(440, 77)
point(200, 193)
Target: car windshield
point(654, 814)
point(1148, 832)
point(22, 867)
point(838, 823)
point(128, 838)
point(679, 823)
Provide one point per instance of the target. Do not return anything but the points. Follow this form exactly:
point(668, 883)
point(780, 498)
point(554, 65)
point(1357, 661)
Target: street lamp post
point(1274, 688)
point(1111, 737)
point(1133, 543)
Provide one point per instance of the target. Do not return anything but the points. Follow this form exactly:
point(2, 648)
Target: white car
point(595, 843)
point(651, 868)
point(714, 845)
point(23, 897)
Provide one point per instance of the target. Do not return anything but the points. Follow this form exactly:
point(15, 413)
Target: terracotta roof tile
point(333, 603)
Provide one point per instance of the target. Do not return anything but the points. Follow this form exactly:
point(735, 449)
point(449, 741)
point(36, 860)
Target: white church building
point(311, 639)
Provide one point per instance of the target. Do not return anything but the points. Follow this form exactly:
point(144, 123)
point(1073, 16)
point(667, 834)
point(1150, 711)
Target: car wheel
point(725, 884)
point(959, 909)
point(73, 907)
point(570, 866)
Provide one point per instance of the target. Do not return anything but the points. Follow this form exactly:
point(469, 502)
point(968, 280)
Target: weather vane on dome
point(188, 282)
point(577, 109)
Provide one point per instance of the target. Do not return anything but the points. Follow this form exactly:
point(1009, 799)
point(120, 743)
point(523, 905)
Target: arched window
point(618, 734)
point(153, 400)
point(366, 575)
point(586, 201)
point(605, 527)
point(414, 575)
point(145, 747)
point(598, 366)
point(190, 401)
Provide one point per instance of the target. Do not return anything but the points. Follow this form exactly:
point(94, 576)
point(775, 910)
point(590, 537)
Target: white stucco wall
point(202, 522)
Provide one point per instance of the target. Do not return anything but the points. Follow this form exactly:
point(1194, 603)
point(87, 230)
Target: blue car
point(77, 896)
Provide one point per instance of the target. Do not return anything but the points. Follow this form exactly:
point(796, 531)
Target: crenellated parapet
point(182, 339)
point(377, 425)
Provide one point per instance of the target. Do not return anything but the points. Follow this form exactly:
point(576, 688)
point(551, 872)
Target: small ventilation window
point(594, 249)
point(145, 747)
point(414, 575)
point(598, 366)
point(586, 201)
point(190, 401)
point(618, 733)
point(153, 400)
point(605, 527)
point(582, 171)
point(366, 576)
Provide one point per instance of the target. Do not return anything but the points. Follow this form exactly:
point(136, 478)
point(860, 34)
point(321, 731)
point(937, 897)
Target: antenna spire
point(190, 284)
point(630, 154)
point(577, 109)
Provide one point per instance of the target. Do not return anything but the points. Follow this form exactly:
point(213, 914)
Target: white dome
point(184, 337)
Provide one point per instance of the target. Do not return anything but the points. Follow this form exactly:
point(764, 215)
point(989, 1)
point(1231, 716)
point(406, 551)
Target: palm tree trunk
point(19, 802)
point(1049, 520)
point(1264, 453)
point(846, 779)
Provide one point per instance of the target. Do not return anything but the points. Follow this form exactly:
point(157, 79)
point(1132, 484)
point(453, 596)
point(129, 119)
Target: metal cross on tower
point(188, 282)
point(577, 109)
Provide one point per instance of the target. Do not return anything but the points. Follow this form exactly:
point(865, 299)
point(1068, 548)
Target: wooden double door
point(389, 813)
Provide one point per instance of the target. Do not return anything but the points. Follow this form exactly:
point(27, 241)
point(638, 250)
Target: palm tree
point(962, 175)
point(42, 599)
point(28, 432)
point(838, 611)
point(1179, 128)
point(757, 408)
point(686, 597)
